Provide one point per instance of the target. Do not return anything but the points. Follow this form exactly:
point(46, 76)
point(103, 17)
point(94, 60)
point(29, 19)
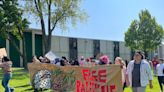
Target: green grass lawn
point(21, 82)
point(156, 87)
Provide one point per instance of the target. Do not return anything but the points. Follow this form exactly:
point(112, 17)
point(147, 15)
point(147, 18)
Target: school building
point(71, 47)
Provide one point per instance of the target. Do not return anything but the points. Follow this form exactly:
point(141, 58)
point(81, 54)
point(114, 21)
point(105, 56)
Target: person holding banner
point(104, 60)
point(66, 62)
point(35, 60)
point(1, 59)
point(6, 66)
point(139, 73)
point(82, 61)
point(119, 61)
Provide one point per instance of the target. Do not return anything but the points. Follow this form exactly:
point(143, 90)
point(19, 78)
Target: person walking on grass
point(119, 61)
point(6, 66)
point(155, 61)
point(138, 73)
point(160, 73)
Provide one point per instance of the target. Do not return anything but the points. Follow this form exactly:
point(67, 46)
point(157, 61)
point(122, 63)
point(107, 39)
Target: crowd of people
point(135, 74)
point(63, 61)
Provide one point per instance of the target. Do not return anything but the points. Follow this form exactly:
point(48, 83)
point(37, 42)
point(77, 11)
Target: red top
point(155, 62)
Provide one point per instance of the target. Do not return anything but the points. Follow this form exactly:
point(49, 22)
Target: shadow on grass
point(17, 73)
point(27, 85)
point(19, 70)
point(29, 89)
point(19, 76)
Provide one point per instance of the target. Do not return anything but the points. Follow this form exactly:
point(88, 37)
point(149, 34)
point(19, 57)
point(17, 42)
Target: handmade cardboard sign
point(3, 52)
point(51, 56)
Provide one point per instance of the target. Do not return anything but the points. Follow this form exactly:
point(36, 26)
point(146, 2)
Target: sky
point(110, 19)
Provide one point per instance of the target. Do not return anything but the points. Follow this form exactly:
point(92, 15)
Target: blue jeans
point(139, 89)
point(5, 81)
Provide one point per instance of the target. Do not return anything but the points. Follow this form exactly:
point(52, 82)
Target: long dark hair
point(5, 59)
point(101, 63)
point(141, 53)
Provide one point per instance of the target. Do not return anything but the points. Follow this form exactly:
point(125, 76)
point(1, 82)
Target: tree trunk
point(24, 54)
point(146, 54)
point(44, 40)
point(43, 44)
point(49, 27)
point(49, 41)
point(39, 10)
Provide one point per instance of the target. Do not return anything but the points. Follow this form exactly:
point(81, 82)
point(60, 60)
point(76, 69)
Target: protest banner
point(77, 79)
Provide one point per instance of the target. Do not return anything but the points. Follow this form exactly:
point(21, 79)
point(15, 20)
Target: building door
point(2, 43)
point(14, 55)
point(73, 48)
point(28, 40)
point(38, 45)
point(116, 49)
point(96, 47)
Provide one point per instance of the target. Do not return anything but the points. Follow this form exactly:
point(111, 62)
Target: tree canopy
point(11, 22)
point(54, 14)
point(144, 34)
point(12, 25)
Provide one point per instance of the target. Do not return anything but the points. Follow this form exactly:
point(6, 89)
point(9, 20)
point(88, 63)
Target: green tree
point(144, 34)
point(54, 14)
point(12, 25)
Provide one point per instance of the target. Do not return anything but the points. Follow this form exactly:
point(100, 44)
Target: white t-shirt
point(160, 68)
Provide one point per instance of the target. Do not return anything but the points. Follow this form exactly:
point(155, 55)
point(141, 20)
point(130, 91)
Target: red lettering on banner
point(87, 87)
point(102, 76)
point(94, 80)
point(86, 74)
point(103, 89)
point(82, 88)
point(92, 87)
point(78, 86)
point(95, 77)
point(97, 86)
point(112, 88)
point(107, 89)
